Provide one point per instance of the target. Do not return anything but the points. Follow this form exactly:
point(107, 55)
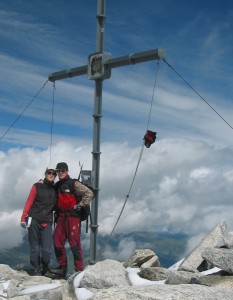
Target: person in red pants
point(68, 219)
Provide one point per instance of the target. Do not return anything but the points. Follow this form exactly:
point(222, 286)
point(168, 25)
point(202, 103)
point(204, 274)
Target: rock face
point(142, 258)
point(154, 273)
point(221, 258)
point(228, 240)
point(112, 280)
point(194, 259)
point(105, 274)
point(19, 285)
point(166, 292)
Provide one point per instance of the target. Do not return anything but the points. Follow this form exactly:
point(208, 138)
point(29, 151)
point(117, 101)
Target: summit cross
point(99, 68)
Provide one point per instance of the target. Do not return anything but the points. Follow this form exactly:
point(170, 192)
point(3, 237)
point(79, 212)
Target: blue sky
point(187, 174)
point(39, 39)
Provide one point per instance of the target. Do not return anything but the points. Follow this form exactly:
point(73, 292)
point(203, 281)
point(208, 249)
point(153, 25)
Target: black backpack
point(85, 212)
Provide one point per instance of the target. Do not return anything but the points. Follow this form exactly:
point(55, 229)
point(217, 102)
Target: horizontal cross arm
point(68, 73)
point(129, 59)
point(135, 58)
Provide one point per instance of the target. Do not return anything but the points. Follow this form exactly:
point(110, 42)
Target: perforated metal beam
point(130, 59)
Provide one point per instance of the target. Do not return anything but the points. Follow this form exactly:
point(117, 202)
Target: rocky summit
point(205, 273)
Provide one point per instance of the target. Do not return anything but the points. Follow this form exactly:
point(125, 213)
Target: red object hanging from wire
point(149, 138)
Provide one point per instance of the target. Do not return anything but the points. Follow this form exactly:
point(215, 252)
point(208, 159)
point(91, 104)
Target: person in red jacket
point(68, 221)
point(37, 218)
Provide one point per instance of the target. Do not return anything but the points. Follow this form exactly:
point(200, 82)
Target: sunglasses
point(51, 173)
point(61, 171)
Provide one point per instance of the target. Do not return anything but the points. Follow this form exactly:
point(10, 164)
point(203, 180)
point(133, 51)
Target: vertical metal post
point(101, 5)
point(133, 58)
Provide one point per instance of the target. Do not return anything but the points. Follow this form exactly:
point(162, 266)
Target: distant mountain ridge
point(169, 247)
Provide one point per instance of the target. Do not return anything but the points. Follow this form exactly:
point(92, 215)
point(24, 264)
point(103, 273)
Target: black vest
point(44, 203)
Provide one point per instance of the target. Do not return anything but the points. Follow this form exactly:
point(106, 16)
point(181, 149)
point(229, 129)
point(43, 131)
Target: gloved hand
point(77, 208)
point(23, 225)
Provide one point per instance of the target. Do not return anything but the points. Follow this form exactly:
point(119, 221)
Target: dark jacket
point(41, 202)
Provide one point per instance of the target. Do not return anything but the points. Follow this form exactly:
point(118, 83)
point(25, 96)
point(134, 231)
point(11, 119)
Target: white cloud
point(177, 185)
point(123, 251)
point(10, 232)
point(200, 173)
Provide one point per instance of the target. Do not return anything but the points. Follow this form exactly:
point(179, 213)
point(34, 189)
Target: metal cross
point(99, 68)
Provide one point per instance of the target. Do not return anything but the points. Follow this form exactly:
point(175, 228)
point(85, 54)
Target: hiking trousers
point(40, 240)
point(68, 228)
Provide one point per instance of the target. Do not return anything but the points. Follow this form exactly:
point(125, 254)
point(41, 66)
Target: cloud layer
point(181, 185)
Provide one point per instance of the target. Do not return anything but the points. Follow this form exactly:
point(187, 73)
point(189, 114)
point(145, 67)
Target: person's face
point(50, 175)
point(62, 173)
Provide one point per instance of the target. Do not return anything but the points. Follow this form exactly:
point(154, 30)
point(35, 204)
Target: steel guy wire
point(139, 160)
point(33, 98)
